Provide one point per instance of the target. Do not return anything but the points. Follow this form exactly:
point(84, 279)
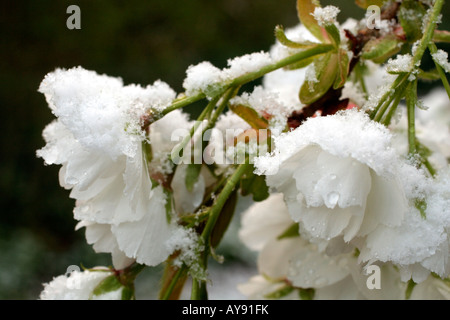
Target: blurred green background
point(140, 41)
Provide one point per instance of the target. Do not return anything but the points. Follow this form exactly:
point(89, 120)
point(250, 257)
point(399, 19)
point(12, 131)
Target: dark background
point(140, 41)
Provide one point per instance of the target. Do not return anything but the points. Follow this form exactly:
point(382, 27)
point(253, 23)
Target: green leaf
point(250, 116)
point(255, 185)
point(109, 284)
point(192, 174)
point(128, 293)
point(343, 69)
point(224, 220)
point(168, 206)
point(409, 289)
point(306, 294)
point(326, 68)
point(291, 232)
point(422, 150)
point(380, 49)
point(441, 36)
point(334, 34)
point(305, 9)
point(421, 205)
point(147, 150)
point(281, 37)
point(431, 75)
point(301, 64)
point(411, 15)
point(367, 3)
point(280, 293)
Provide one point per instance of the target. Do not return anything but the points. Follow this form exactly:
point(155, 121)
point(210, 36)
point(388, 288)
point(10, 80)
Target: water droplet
point(84, 209)
point(332, 199)
point(310, 271)
point(333, 177)
point(319, 282)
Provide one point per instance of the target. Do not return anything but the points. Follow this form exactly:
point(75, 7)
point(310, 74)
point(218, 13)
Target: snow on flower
point(347, 182)
point(208, 79)
point(441, 58)
point(293, 266)
point(420, 245)
point(338, 176)
point(98, 140)
point(79, 285)
point(327, 15)
point(222, 140)
point(290, 260)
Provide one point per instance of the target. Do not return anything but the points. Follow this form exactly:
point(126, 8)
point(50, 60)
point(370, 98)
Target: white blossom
point(79, 285)
point(338, 176)
point(99, 142)
point(420, 245)
point(300, 264)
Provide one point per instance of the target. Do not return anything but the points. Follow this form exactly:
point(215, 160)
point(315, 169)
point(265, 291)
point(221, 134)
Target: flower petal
point(145, 239)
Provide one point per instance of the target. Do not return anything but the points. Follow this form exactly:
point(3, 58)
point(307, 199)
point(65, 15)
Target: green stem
point(195, 291)
point(222, 198)
point(411, 101)
point(176, 151)
point(199, 290)
point(211, 122)
point(433, 49)
point(181, 103)
point(168, 291)
point(359, 77)
point(133, 271)
point(382, 106)
point(429, 167)
point(393, 108)
point(302, 55)
point(429, 32)
point(214, 190)
point(228, 95)
point(378, 112)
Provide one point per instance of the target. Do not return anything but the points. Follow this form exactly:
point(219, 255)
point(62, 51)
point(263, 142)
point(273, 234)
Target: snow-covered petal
point(328, 176)
point(145, 240)
point(103, 241)
point(78, 286)
point(311, 268)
